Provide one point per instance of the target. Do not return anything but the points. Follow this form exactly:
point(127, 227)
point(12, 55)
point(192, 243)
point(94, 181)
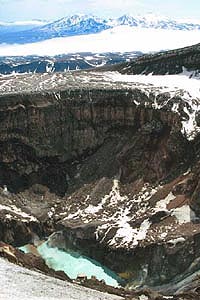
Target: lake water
point(73, 264)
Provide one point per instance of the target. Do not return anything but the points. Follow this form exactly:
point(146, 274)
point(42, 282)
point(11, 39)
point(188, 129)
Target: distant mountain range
point(35, 31)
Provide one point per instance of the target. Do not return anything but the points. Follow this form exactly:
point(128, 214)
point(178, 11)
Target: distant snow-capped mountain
point(157, 22)
point(76, 25)
point(87, 24)
point(68, 26)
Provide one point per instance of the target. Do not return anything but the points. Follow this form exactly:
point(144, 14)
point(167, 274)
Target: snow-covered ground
point(18, 283)
point(186, 81)
point(118, 39)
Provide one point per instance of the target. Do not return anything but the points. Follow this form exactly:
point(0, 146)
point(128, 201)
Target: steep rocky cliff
point(108, 162)
point(44, 134)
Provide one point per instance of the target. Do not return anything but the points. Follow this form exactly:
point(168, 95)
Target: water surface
point(73, 264)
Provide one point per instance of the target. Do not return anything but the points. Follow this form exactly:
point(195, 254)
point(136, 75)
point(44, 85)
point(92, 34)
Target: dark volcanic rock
point(154, 153)
point(41, 136)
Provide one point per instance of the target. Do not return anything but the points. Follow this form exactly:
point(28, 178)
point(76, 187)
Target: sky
point(19, 10)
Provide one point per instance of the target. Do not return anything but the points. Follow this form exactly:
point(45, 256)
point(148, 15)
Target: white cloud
point(119, 39)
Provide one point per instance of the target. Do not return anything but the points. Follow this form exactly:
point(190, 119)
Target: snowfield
point(118, 39)
point(18, 283)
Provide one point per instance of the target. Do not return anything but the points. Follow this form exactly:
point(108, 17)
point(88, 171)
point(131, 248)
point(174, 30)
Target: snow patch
point(113, 198)
point(184, 214)
point(163, 235)
point(162, 204)
point(142, 232)
point(176, 241)
point(17, 211)
point(143, 297)
point(169, 83)
point(129, 235)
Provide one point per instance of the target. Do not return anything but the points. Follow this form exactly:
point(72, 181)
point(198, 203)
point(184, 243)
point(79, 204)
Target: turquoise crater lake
point(73, 264)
